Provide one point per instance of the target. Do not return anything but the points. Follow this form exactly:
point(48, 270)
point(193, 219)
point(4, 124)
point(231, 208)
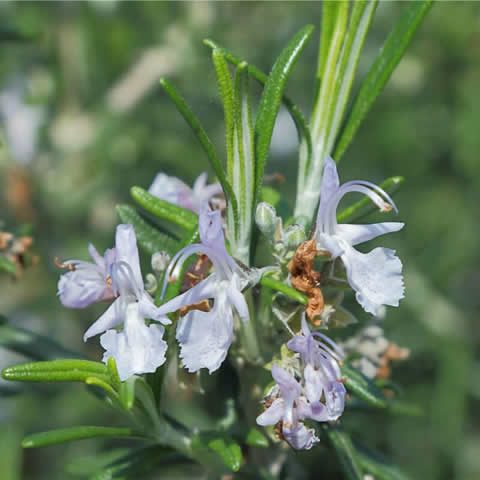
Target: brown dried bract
point(195, 274)
point(278, 429)
point(306, 279)
point(392, 353)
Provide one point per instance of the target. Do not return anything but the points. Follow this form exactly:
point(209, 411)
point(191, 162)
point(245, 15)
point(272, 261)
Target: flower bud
point(160, 261)
point(151, 283)
point(294, 235)
point(266, 218)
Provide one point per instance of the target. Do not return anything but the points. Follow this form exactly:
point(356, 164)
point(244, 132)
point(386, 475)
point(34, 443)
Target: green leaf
point(32, 345)
point(379, 467)
point(225, 85)
point(57, 371)
point(149, 238)
point(63, 435)
point(271, 100)
point(365, 205)
point(359, 24)
point(164, 210)
point(329, 16)
point(90, 464)
point(261, 77)
point(381, 70)
point(341, 442)
point(256, 439)
point(127, 393)
point(362, 387)
point(7, 265)
point(224, 447)
point(279, 286)
point(206, 143)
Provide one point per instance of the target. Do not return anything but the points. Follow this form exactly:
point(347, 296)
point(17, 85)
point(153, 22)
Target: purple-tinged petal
point(299, 436)
point(137, 348)
point(96, 257)
point(83, 286)
point(330, 184)
point(273, 414)
point(314, 383)
point(169, 188)
point(335, 399)
point(113, 316)
point(376, 277)
point(355, 234)
point(127, 251)
point(289, 387)
point(210, 228)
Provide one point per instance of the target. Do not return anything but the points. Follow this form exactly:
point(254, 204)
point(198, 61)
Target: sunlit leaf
point(223, 446)
point(381, 70)
point(57, 371)
point(164, 210)
point(271, 100)
point(256, 439)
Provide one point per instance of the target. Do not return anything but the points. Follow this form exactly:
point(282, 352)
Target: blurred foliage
point(84, 119)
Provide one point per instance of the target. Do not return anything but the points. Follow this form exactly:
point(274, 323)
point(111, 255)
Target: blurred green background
point(83, 119)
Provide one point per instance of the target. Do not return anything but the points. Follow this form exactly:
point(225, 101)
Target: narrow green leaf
point(365, 205)
point(97, 382)
point(359, 24)
point(261, 77)
point(7, 265)
point(379, 467)
point(202, 137)
point(381, 70)
point(89, 464)
point(57, 371)
point(362, 387)
point(73, 433)
point(256, 439)
point(164, 210)
point(225, 85)
point(329, 16)
point(149, 238)
point(279, 286)
point(271, 100)
point(32, 345)
point(345, 450)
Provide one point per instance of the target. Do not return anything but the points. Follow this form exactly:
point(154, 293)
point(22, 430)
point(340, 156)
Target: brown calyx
point(305, 278)
point(392, 353)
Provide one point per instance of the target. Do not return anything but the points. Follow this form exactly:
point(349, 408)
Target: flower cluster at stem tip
point(310, 388)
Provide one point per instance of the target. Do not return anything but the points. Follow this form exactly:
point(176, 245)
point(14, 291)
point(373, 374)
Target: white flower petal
point(205, 337)
point(237, 300)
point(148, 309)
point(114, 315)
point(205, 289)
point(137, 349)
point(273, 414)
point(376, 277)
point(355, 234)
point(330, 244)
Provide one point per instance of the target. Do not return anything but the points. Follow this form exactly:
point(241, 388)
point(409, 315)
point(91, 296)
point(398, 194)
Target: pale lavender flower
point(173, 190)
point(205, 337)
point(290, 406)
point(376, 276)
point(137, 348)
point(322, 371)
point(87, 282)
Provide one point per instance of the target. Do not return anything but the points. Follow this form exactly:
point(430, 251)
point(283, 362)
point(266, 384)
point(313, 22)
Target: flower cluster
point(311, 389)
point(319, 395)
